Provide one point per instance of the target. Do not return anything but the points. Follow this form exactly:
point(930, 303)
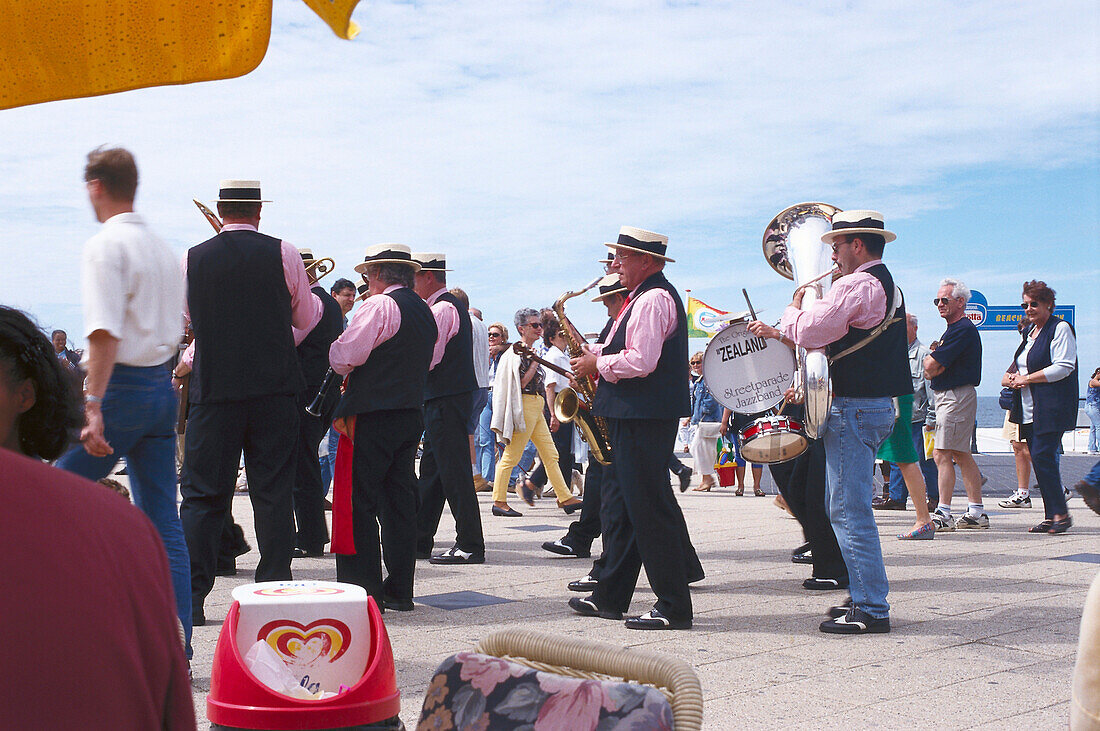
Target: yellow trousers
point(538, 432)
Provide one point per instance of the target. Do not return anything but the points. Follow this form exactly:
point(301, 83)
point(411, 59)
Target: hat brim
point(361, 268)
point(828, 236)
point(239, 200)
point(612, 293)
point(643, 251)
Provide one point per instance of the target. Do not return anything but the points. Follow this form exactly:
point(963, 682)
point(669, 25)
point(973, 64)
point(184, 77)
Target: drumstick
point(752, 312)
point(782, 406)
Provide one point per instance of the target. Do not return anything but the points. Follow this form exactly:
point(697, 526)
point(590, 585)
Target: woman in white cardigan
point(518, 398)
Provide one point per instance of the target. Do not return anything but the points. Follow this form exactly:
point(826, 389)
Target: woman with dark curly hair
point(1044, 402)
point(37, 407)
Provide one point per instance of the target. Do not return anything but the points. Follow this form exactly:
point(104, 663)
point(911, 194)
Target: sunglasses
point(696, 362)
point(535, 324)
point(496, 335)
point(941, 301)
point(1029, 305)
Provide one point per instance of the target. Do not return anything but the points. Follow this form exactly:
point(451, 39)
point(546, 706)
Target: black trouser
point(563, 441)
point(801, 482)
point(445, 475)
point(383, 485)
point(309, 494)
point(231, 544)
point(642, 522)
point(266, 429)
point(588, 527)
point(675, 465)
point(1044, 460)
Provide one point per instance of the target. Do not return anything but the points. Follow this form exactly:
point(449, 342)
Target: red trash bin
point(237, 700)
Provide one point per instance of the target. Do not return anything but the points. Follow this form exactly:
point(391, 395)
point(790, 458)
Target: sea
point(990, 414)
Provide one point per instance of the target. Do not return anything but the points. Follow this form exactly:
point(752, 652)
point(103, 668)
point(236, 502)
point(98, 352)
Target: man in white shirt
point(133, 318)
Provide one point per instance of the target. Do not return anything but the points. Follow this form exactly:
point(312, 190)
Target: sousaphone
point(793, 247)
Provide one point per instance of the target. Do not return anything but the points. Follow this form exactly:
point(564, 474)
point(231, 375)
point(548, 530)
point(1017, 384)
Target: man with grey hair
point(924, 417)
point(954, 370)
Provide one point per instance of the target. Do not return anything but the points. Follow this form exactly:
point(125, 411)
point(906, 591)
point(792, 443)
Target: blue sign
point(1004, 317)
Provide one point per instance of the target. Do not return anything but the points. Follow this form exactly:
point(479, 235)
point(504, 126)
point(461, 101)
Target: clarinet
point(314, 408)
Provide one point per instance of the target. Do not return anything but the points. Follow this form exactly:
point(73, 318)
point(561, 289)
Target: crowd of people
point(410, 403)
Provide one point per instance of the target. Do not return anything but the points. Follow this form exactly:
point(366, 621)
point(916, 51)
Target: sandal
point(1043, 527)
point(739, 491)
point(701, 488)
point(758, 492)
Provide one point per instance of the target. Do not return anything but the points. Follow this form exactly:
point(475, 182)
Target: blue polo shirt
point(960, 353)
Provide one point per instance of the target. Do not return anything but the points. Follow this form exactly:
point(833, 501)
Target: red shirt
point(91, 639)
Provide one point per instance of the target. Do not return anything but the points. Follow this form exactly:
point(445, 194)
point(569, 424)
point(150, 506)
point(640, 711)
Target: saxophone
point(568, 406)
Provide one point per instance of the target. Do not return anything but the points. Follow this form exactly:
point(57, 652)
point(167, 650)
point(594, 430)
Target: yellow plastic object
point(66, 49)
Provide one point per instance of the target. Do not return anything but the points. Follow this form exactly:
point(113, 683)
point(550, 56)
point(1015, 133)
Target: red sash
point(343, 541)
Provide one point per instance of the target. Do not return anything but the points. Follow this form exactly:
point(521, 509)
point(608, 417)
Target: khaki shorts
point(1010, 431)
point(956, 410)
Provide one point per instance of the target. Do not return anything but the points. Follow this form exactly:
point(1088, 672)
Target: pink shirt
point(375, 322)
point(446, 322)
point(652, 321)
point(855, 300)
point(305, 307)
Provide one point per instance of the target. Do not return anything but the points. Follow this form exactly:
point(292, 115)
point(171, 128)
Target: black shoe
point(506, 512)
point(397, 605)
point(1089, 494)
point(655, 620)
point(1060, 526)
point(817, 584)
point(562, 548)
point(890, 504)
point(856, 622)
point(685, 479)
point(571, 507)
point(587, 608)
point(804, 557)
point(839, 610)
point(303, 553)
point(527, 493)
point(587, 584)
point(455, 555)
point(801, 549)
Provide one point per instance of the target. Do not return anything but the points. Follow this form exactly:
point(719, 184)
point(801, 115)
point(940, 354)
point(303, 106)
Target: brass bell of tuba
point(793, 247)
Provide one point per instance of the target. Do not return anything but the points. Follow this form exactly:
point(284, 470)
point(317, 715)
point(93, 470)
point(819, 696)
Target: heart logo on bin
point(297, 644)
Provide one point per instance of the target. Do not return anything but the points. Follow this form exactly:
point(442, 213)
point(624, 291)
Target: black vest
point(395, 372)
point(240, 311)
point(880, 368)
point(663, 394)
point(1053, 405)
point(455, 373)
point(313, 351)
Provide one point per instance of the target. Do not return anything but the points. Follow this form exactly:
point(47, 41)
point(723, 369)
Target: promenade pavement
point(984, 622)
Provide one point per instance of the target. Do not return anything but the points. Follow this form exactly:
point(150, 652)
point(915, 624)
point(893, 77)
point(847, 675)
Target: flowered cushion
point(472, 692)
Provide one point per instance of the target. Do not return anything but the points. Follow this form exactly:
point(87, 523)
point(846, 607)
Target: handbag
point(1005, 399)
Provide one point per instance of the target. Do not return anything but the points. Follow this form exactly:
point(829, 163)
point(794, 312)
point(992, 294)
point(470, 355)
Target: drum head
point(774, 447)
point(746, 373)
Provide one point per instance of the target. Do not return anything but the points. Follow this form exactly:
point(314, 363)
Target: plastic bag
point(269, 669)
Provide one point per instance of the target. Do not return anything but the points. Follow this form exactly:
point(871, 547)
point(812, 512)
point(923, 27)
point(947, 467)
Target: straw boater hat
point(431, 261)
point(239, 191)
point(307, 256)
point(609, 285)
point(646, 242)
point(387, 254)
point(361, 286)
point(846, 223)
point(610, 254)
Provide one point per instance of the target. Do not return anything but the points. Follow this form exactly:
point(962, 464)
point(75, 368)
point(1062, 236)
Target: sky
point(518, 139)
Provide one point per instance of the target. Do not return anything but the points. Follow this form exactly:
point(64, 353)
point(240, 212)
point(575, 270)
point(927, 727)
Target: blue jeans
point(857, 427)
point(1092, 410)
point(328, 462)
point(1093, 477)
point(139, 422)
point(526, 462)
point(928, 469)
point(485, 443)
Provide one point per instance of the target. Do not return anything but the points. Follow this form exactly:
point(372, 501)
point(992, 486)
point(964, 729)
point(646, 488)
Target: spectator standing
point(1045, 400)
point(486, 442)
point(954, 369)
point(706, 418)
point(133, 318)
point(1092, 409)
point(344, 292)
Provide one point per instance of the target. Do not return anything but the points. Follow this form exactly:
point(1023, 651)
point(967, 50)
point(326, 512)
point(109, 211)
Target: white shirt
point(1063, 354)
point(481, 351)
point(560, 359)
point(132, 289)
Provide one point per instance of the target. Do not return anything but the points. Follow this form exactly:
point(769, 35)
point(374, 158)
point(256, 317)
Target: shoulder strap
point(876, 331)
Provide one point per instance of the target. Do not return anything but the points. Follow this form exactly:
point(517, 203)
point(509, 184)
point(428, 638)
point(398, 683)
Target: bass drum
point(746, 373)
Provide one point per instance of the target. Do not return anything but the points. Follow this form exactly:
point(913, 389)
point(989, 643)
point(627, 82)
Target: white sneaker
point(1016, 501)
point(944, 523)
